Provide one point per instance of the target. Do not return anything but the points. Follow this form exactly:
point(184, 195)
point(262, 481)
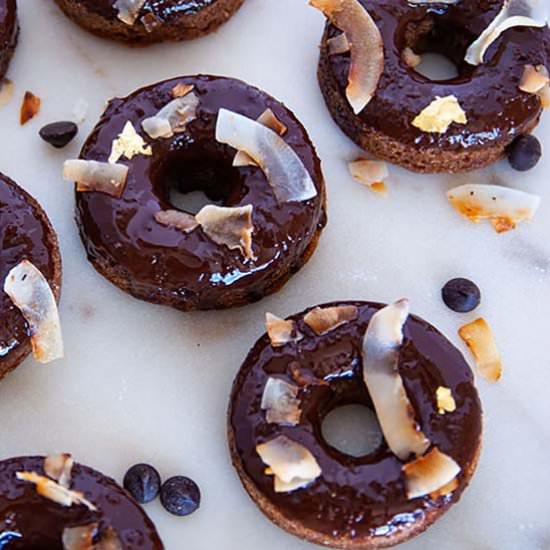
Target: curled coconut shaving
point(231, 227)
point(505, 208)
point(174, 117)
point(323, 320)
point(280, 331)
point(284, 170)
point(514, 13)
point(366, 48)
point(176, 218)
point(91, 175)
point(280, 402)
point(31, 293)
point(84, 537)
point(128, 144)
point(128, 10)
point(59, 468)
point(383, 339)
point(292, 465)
point(429, 473)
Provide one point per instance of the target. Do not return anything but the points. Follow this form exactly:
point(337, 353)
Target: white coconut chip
point(514, 13)
point(59, 468)
point(101, 177)
point(280, 331)
point(429, 473)
point(283, 168)
point(6, 91)
point(173, 118)
point(534, 79)
point(479, 337)
point(293, 465)
point(371, 173)
point(80, 538)
point(505, 208)
point(54, 491)
point(338, 45)
point(176, 218)
point(128, 10)
point(231, 227)
point(325, 319)
point(31, 293)
point(280, 402)
point(129, 144)
point(438, 116)
point(383, 339)
point(410, 58)
point(367, 48)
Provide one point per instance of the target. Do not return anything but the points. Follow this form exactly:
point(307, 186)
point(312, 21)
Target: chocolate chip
point(180, 496)
point(59, 134)
point(461, 295)
point(142, 482)
point(524, 153)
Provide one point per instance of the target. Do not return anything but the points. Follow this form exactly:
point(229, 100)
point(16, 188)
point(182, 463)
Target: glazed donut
point(147, 21)
point(486, 106)
point(25, 234)
point(52, 503)
point(131, 238)
point(319, 360)
point(9, 31)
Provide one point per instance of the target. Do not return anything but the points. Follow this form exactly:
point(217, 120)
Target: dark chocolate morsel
point(142, 481)
point(180, 496)
point(461, 295)
point(525, 153)
point(59, 134)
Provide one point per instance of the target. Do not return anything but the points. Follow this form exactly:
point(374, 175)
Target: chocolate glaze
point(25, 234)
point(29, 521)
point(354, 497)
point(497, 110)
point(9, 30)
point(163, 264)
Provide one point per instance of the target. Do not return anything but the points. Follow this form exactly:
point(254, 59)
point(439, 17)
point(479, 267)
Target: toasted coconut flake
point(29, 108)
point(479, 337)
point(128, 144)
point(505, 208)
point(534, 79)
point(128, 10)
point(176, 218)
point(367, 48)
point(181, 90)
point(410, 58)
point(544, 96)
point(445, 490)
point(6, 92)
point(231, 227)
point(429, 473)
point(80, 111)
point(292, 464)
point(338, 45)
point(59, 468)
point(284, 170)
point(445, 400)
point(280, 402)
point(323, 320)
point(281, 332)
point(91, 175)
point(371, 173)
point(80, 538)
point(173, 118)
point(380, 188)
point(440, 114)
point(29, 290)
point(151, 22)
point(54, 491)
point(383, 339)
point(109, 541)
point(514, 13)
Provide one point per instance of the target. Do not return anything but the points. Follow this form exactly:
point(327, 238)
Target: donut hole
point(353, 430)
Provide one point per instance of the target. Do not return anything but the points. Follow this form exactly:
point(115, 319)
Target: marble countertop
point(144, 383)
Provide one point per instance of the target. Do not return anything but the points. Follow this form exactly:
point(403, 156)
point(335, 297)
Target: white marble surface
point(141, 382)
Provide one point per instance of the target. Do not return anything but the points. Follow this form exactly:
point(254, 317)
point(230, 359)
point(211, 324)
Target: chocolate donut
point(25, 234)
point(96, 509)
point(128, 239)
point(147, 21)
point(9, 31)
point(493, 110)
point(308, 366)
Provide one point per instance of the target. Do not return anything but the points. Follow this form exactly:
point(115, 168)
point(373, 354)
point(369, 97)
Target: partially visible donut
point(9, 31)
point(32, 517)
point(25, 234)
point(497, 111)
point(125, 236)
point(312, 364)
point(150, 21)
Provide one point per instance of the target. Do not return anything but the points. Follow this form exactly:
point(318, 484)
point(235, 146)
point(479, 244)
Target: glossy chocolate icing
point(24, 235)
point(29, 521)
point(365, 496)
point(9, 29)
point(163, 264)
point(497, 110)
